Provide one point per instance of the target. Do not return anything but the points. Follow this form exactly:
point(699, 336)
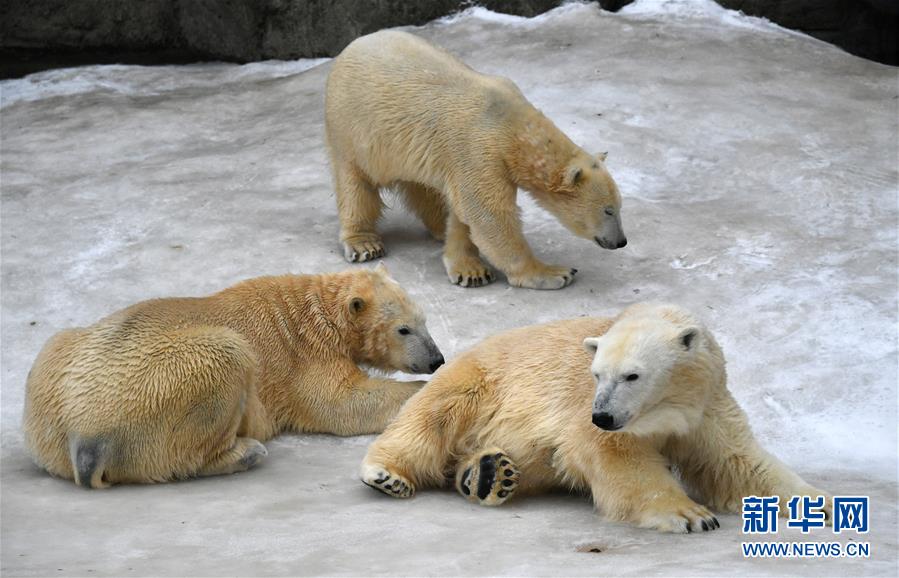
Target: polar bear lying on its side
point(456, 144)
point(526, 411)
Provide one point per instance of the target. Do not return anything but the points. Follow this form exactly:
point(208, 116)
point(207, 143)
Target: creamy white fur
point(529, 393)
point(456, 144)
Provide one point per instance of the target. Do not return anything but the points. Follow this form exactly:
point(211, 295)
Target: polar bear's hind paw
point(489, 478)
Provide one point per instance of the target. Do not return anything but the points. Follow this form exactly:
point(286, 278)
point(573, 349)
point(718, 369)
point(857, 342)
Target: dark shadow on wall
point(41, 34)
point(866, 28)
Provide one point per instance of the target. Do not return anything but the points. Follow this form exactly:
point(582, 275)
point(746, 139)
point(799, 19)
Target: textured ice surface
point(759, 173)
point(145, 80)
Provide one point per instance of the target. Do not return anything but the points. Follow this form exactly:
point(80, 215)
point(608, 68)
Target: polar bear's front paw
point(683, 518)
point(813, 493)
point(467, 271)
point(489, 478)
point(546, 277)
point(363, 248)
point(391, 484)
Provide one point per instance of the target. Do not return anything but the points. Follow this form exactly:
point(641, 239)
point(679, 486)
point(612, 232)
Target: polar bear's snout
point(611, 234)
point(605, 243)
point(424, 355)
point(436, 362)
point(606, 416)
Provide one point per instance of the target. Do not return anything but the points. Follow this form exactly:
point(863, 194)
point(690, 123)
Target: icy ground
point(760, 181)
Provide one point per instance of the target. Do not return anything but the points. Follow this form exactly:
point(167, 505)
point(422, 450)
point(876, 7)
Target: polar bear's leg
point(461, 257)
point(758, 473)
point(201, 388)
point(359, 206)
point(630, 481)
point(213, 404)
point(489, 477)
point(495, 229)
point(243, 455)
point(409, 453)
point(417, 447)
point(365, 407)
point(732, 465)
point(427, 204)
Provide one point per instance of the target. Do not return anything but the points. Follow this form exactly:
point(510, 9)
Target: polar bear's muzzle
point(611, 235)
point(606, 244)
point(424, 355)
point(609, 416)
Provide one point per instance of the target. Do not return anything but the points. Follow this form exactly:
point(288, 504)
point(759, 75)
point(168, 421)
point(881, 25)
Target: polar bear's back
point(404, 57)
point(542, 358)
point(402, 109)
point(533, 374)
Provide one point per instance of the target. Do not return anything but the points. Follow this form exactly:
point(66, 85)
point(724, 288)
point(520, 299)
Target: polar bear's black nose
point(604, 421)
point(622, 242)
point(436, 363)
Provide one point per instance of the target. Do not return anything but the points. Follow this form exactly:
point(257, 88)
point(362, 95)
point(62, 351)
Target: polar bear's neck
point(540, 154)
point(300, 312)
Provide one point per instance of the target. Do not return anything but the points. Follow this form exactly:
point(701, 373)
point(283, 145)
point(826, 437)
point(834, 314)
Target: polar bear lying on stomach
point(527, 411)
point(174, 388)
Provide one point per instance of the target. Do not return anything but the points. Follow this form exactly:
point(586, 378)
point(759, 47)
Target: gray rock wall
point(40, 34)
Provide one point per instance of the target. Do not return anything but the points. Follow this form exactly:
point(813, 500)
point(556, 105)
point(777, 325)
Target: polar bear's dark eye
point(610, 212)
point(404, 331)
point(632, 377)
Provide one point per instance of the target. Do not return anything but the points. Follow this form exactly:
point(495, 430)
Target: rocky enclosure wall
point(40, 34)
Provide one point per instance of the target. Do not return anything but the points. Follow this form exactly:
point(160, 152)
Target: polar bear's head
point(652, 370)
point(587, 201)
point(393, 328)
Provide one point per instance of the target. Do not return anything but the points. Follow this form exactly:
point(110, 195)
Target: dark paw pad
point(489, 479)
point(465, 482)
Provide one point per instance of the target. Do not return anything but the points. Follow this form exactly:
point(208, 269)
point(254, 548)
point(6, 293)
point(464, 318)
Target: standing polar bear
point(173, 388)
point(526, 411)
point(456, 145)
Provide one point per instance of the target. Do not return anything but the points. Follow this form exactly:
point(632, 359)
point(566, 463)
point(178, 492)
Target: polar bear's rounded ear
point(591, 343)
point(602, 156)
point(572, 176)
point(357, 304)
point(689, 338)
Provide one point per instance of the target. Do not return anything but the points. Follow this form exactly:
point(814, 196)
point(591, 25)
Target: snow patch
point(640, 9)
point(486, 15)
point(683, 262)
point(701, 10)
point(133, 80)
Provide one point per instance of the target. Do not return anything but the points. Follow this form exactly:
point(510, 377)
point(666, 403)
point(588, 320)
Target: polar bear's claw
point(684, 519)
point(468, 271)
point(548, 278)
point(361, 250)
